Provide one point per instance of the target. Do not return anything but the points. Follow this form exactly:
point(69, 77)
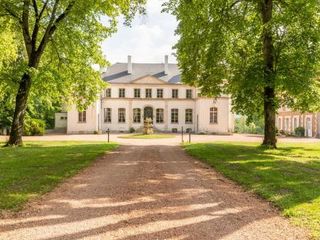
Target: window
point(174, 115)
point(148, 93)
point(175, 93)
point(159, 93)
point(295, 123)
point(122, 92)
point(189, 116)
point(214, 115)
point(137, 93)
point(159, 115)
point(107, 115)
point(136, 115)
point(189, 93)
point(108, 93)
point(121, 115)
point(82, 117)
point(280, 121)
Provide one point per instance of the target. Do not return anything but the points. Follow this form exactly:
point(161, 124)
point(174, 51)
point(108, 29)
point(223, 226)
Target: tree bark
point(20, 110)
point(270, 139)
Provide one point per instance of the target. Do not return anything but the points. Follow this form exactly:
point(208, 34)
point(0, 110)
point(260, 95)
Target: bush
point(132, 130)
point(34, 127)
point(299, 131)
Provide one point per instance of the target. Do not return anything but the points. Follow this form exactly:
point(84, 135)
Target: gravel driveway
point(148, 192)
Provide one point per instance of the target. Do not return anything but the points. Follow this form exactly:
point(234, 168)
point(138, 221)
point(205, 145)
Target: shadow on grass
point(288, 176)
point(32, 170)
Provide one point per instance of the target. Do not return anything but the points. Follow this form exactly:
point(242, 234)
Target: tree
point(264, 53)
point(60, 40)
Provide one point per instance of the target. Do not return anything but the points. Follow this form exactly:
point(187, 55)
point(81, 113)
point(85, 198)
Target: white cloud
point(148, 39)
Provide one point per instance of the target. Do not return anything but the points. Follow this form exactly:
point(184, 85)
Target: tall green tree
point(61, 43)
point(264, 53)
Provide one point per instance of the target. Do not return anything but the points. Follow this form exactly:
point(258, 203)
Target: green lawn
point(36, 168)
point(151, 136)
point(289, 176)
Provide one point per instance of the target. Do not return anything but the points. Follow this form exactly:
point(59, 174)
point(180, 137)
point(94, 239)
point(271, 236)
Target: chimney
point(166, 64)
point(129, 65)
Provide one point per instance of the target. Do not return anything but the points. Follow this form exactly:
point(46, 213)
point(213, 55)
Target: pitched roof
point(118, 73)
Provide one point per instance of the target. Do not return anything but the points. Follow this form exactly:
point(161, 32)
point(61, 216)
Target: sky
point(148, 40)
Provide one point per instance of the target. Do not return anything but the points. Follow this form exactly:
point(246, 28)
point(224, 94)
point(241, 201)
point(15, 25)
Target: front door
point(148, 113)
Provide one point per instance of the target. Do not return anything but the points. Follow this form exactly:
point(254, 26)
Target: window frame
point(108, 93)
point(173, 95)
point(82, 117)
point(107, 115)
point(174, 116)
point(189, 116)
point(134, 118)
point(122, 92)
point(148, 93)
point(124, 115)
point(159, 115)
point(214, 115)
point(137, 93)
point(159, 93)
point(189, 94)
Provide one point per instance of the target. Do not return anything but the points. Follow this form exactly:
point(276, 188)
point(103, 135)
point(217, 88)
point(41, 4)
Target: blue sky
point(148, 39)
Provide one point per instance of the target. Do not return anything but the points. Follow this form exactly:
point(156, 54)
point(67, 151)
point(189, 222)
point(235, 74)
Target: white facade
point(157, 100)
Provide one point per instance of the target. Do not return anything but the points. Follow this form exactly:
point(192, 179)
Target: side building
point(288, 121)
point(137, 91)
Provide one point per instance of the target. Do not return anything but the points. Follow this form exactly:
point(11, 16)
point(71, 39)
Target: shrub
point(132, 130)
point(34, 127)
point(299, 131)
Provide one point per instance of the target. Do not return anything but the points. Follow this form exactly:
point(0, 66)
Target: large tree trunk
point(20, 110)
point(270, 139)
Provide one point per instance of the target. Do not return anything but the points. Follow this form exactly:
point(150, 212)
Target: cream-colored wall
point(224, 114)
point(167, 90)
point(201, 110)
point(60, 121)
point(89, 126)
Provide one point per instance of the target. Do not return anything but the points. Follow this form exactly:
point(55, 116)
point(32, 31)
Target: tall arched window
point(213, 115)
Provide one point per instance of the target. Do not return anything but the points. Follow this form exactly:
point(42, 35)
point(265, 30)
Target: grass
point(151, 136)
point(29, 171)
point(288, 176)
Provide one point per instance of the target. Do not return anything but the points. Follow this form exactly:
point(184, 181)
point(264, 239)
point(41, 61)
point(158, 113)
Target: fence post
point(182, 134)
point(108, 132)
point(189, 136)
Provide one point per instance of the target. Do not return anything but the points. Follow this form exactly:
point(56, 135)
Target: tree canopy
point(249, 49)
point(58, 43)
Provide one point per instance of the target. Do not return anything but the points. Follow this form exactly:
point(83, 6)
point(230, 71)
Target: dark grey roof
point(118, 73)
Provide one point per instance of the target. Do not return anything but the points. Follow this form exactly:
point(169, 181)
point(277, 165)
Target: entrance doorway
point(148, 113)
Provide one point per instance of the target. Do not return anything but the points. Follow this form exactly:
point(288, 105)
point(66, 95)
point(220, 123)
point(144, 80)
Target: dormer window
point(122, 93)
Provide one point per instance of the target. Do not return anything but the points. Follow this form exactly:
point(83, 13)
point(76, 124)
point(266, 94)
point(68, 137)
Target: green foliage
point(287, 176)
point(243, 126)
point(37, 168)
point(221, 51)
point(132, 130)
point(34, 127)
point(299, 131)
point(65, 36)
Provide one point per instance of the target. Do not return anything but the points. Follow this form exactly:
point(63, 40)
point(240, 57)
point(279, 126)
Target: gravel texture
point(148, 192)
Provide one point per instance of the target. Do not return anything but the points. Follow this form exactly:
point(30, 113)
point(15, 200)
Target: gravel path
point(148, 192)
